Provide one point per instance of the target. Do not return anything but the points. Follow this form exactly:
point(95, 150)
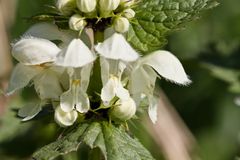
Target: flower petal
point(30, 111)
point(116, 47)
point(105, 70)
point(116, 67)
point(168, 66)
point(64, 80)
point(77, 54)
point(51, 32)
point(111, 67)
point(152, 109)
point(121, 92)
point(65, 119)
point(47, 85)
point(85, 76)
point(21, 76)
point(108, 91)
point(34, 51)
point(83, 104)
point(142, 80)
point(66, 101)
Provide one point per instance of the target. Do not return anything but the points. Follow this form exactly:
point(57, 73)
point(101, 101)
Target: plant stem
point(98, 37)
point(96, 81)
point(95, 154)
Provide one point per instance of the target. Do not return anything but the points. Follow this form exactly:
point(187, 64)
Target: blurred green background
point(209, 49)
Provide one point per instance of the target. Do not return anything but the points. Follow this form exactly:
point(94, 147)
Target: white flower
point(77, 58)
point(147, 69)
point(115, 53)
point(114, 88)
point(75, 98)
point(86, 6)
point(124, 110)
point(108, 5)
point(35, 56)
point(121, 24)
point(77, 22)
point(66, 6)
point(65, 119)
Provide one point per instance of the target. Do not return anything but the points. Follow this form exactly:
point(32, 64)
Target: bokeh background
point(201, 120)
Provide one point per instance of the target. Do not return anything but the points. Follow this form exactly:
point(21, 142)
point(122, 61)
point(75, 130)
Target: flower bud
point(127, 3)
point(86, 6)
point(108, 5)
point(65, 119)
point(66, 7)
point(124, 110)
point(77, 22)
point(129, 13)
point(121, 24)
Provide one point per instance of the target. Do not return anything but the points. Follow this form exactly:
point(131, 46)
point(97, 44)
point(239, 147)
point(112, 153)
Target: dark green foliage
point(156, 18)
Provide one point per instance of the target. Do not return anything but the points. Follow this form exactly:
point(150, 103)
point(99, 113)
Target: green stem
point(98, 37)
point(95, 154)
point(70, 156)
point(96, 82)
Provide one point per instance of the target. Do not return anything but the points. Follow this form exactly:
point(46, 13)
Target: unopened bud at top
point(66, 7)
point(127, 3)
point(129, 13)
point(121, 24)
point(77, 22)
point(108, 5)
point(124, 110)
point(86, 6)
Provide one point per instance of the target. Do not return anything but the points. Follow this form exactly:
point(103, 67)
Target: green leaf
point(120, 146)
point(42, 17)
point(156, 18)
point(228, 75)
point(11, 126)
point(114, 143)
point(62, 146)
point(59, 20)
point(225, 74)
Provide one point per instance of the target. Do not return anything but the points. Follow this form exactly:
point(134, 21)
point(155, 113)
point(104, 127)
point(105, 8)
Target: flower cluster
point(63, 73)
point(81, 12)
